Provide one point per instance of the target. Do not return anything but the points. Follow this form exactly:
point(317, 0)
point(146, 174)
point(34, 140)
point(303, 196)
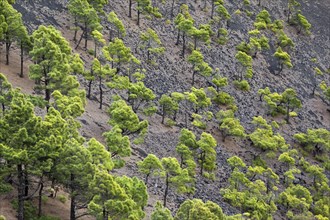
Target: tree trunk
point(183, 44)
point(146, 179)
point(20, 192)
point(166, 190)
point(195, 43)
point(177, 38)
point(8, 44)
point(89, 89)
point(110, 35)
point(130, 9)
point(40, 197)
point(202, 162)
point(101, 92)
point(73, 200)
point(105, 217)
point(75, 30)
point(287, 113)
point(95, 49)
point(193, 76)
point(80, 39)
point(26, 183)
point(22, 60)
point(163, 115)
point(138, 17)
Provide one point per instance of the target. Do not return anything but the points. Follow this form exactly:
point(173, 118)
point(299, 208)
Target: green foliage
point(199, 65)
point(120, 197)
point(303, 24)
point(62, 198)
point(161, 213)
point(188, 138)
point(263, 20)
point(245, 62)
point(252, 197)
point(207, 155)
point(264, 138)
point(325, 89)
point(283, 58)
point(116, 25)
point(168, 106)
point(118, 53)
point(198, 99)
point(296, 197)
point(283, 40)
point(151, 43)
point(316, 141)
point(229, 125)
point(124, 117)
point(5, 92)
point(236, 162)
point(12, 28)
point(54, 63)
point(145, 7)
point(176, 177)
point(196, 209)
point(85, 16)
point(242, 85)
point(151, 165)
point(281, 103)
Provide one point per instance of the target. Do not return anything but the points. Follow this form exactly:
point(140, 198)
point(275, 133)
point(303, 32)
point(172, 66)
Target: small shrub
point(44, 199)
point(90, 52)
point(242, 85)
point(170, 123)
point(61, 198)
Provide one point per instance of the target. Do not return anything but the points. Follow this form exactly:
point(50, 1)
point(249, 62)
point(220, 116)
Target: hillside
point(261, 187)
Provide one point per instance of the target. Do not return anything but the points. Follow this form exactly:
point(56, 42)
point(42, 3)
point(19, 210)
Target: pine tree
point(290, 102)
point(116, 26)
point(117, 52)
point(102, 72)
point(118, 145)
point(150, 166)
point(196, 209)
point(229, 125)
point(245, 62)
point(5, 90)
point(316, 141)
point(264, 138)
point(151, 43)
point(161, 213)
point(53, 63)
point(283, 59)
point(199, 65)
point(175, 177)
point(145, 7)
point(19, 132)
point(12, 26)
point(203, 33)
point(76, 171)
point(184, 23)
point(168, 106)
point(207, 155)
point(85, 17)
point(124, 117)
